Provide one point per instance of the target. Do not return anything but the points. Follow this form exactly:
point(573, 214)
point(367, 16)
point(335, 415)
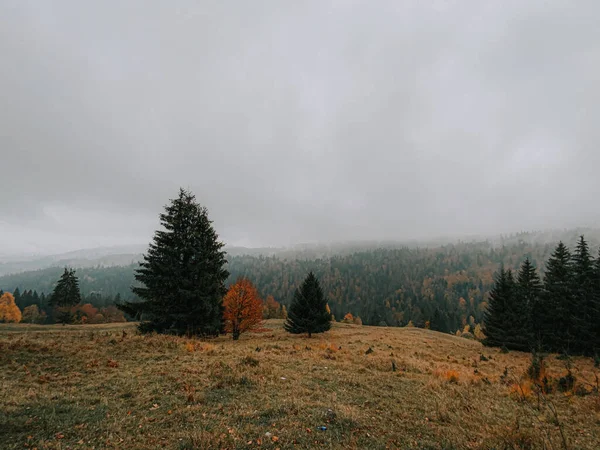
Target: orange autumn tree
point(9, 311)
point(243, 308)
point(271, 308)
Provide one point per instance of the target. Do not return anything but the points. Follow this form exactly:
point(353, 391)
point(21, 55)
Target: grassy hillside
point(105, 386)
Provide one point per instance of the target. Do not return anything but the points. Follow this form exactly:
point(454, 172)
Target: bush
point(452, 376)
point(348, 318)
point(478, 332)
point(536, 372)
point(567, 382)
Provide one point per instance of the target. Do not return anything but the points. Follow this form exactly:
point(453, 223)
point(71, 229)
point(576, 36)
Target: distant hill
point(127, 254)
point(95, 257)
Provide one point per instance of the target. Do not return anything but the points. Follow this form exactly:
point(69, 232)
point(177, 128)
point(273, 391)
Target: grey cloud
point(297, 121)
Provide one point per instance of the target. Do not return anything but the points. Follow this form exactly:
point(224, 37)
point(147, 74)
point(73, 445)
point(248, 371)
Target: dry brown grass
point(95, 386)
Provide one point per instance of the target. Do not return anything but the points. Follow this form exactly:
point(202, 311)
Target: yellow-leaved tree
point(9, 311)
point(32, 314)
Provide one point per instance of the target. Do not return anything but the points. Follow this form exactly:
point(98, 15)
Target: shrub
point(478, 332)
point(536, 372)
point(523, 391)
point(566, 383)
point(451, 376)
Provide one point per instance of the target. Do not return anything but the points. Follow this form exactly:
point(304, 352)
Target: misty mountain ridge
point(124, 255)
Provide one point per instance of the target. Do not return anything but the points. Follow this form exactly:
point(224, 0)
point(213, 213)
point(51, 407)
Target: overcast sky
point(297, 121)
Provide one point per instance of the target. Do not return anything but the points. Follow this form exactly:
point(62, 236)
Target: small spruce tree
point(65, 296)
point(528, 291)
point(66, 293)
point(595, 308)
point(584, 290)
point(556, 313)
point(505, 317)
point(308, 310)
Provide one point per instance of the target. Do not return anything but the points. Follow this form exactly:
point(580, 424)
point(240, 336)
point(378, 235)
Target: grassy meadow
point(105, 386)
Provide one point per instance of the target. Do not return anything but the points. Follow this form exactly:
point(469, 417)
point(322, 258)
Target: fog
point(296, 121)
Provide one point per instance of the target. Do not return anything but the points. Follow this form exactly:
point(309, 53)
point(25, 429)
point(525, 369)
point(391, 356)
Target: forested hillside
point(447, 284)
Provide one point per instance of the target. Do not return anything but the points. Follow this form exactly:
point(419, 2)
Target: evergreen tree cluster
point(182, 283)
point(66, 304)
point(560, 314)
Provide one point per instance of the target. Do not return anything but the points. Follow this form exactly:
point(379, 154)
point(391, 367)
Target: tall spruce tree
point(183, 274)
point(528, 291)
point(595, 308)
point(495, 321)
point(556, 316)
point(505, 316)
point(66, 293)
point(308, 310)
point(584, 293)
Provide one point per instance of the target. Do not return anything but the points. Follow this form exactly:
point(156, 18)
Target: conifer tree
point(505, 317)
point(556, 318)
point(17, 295)
point(66, 293)
point(308, 310)
point(183, 274)
point(595, 308)
point(439, 321)
point(583, 292)
point(528, 291)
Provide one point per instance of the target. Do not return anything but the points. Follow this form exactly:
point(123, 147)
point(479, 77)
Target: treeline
point(64, 305)
point(559, 314)
point(99, 285)
point(31, 297)
point(446, 286)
